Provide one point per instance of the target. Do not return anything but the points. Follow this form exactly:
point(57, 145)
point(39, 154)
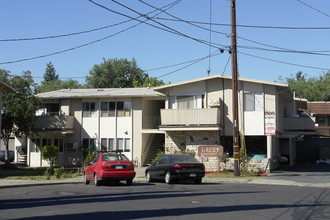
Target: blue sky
point(263, 53)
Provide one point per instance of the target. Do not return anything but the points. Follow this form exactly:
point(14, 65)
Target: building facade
point(100, 119)
point(198, 117)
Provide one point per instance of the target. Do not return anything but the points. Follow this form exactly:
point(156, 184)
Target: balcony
point(183, 119)
point(59, 124)
point(298, 124)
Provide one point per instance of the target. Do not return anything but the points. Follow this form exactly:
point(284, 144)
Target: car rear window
point(114, 157)
point(183, 159)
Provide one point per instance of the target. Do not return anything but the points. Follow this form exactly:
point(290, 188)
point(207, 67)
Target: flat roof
point(100, 92)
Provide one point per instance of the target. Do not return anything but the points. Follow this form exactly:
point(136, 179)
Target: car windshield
point(183, 159)
point(114, 157)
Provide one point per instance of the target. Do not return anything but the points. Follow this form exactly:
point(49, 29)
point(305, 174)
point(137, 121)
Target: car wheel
point(86, 181)
point(168, 178)
point(96, 180)
point(198, 181)
point(148, 177)
point(129, 182)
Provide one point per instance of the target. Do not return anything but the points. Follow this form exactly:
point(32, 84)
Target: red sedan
point(109, 167)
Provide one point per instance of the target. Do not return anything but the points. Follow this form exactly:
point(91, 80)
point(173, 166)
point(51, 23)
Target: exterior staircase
point(157, 146)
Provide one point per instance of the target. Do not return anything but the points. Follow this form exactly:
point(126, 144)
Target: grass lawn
point(28, 173)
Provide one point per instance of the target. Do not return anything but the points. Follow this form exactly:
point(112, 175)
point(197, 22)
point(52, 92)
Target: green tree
point(118, 73)
point(313, 89)
point(50, 153)
point(150, 82)
point(58, 84)
point(18, 109)
point(50, 73)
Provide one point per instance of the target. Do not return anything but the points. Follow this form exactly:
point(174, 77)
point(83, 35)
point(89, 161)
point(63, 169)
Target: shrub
point(58, 172)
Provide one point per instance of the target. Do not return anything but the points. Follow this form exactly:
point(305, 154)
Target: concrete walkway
point(276, 178)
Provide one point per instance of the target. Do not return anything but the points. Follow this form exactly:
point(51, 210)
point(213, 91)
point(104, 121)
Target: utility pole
point(236, 148)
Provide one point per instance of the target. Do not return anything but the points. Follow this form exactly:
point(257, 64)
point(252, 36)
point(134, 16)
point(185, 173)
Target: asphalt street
point(162, 201)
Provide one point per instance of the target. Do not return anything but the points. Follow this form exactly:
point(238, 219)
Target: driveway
point(303, 173)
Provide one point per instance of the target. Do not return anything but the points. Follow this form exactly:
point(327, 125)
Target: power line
point(197, 61)
point(277, 61)
point(166, 28)
point(313, 8)
point(80, 46)
point(244, 26)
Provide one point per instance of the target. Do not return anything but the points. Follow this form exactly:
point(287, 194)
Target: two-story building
point(198, 117)
point(194, 115)
point(123, 119)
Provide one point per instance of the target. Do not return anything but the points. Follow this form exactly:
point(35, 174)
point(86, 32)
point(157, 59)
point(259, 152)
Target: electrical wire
point(313, 8)
point(197, 61)
point(165, 28)
point(277, 61)
point(77, 47)
point(243, 25)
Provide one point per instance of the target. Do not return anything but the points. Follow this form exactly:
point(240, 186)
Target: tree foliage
point(50, 153)
point(18, 108)
point(50, 73)
point(119, 73)
point(58, 84)
point(313, 88)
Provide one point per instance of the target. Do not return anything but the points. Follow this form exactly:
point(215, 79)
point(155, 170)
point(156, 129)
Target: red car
point(109, 167)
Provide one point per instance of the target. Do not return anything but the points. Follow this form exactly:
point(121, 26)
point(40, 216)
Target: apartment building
point(123, 119)
point(198, 117)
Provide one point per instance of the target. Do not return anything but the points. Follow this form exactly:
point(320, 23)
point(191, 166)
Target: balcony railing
point(60, 123)
point(190, 117)
point(298, 124)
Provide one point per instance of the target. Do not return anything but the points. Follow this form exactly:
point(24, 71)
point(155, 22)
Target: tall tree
point(18, 109)
point(313, 88)
point(50, 73)
point(116, 73)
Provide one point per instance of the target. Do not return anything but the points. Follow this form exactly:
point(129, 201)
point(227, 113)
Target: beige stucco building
point(194, 115)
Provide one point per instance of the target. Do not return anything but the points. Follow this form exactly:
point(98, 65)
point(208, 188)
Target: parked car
point(255, 153)
point(11, 155)
point(173, 167)
point(109, 167)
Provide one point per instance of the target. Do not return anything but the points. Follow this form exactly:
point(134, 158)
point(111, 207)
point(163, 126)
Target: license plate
point(193, 175)
point(119, 167)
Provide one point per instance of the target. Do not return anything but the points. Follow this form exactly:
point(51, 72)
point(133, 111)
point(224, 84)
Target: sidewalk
point(140, 178)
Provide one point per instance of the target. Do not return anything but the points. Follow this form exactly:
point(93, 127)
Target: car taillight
point(188, 165)
point(106, 166)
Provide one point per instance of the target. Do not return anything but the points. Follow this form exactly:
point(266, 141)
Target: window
point(120, 144)
point(123, 109)
point(59, 143)
point(103, 144)
point(90, 143)
point(320, 119)
point(89, 109)
point(108, 109)
point(253, 101)
point(111, 144)
point(127, 145)
point(186, 101)
point(163, 160)
point(37, 144)
point(111, 109)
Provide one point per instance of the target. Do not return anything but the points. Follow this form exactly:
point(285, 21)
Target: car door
point(161, 167)
point(90, 169)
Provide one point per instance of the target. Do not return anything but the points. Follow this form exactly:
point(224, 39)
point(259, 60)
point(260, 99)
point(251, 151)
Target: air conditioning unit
point(71, 146)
